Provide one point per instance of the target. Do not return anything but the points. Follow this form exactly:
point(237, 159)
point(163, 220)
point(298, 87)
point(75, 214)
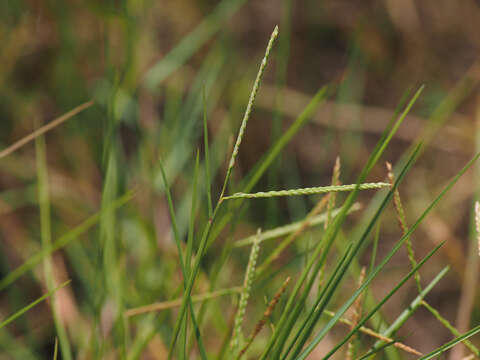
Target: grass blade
point(191, 43)
point(292, 227)
point(208, 227)
point(46, 237)
point(345, 307)
point(31, 305)
point(451, 344)
point(414, 305)
point(329, 237)
point(45, 128)
point(185, 272)
point(419, 220)
point(207, 156)
point(61, 242)
point(176, 303)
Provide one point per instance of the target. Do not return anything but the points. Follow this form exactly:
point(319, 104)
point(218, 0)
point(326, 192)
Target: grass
point(162, 270)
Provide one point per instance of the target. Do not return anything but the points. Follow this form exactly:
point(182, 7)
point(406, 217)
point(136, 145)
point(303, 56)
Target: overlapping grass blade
point(430, 286)
point(320, 303)
point(451, 344)
point(328, 239)
point(270, 156)
point(206, 232)
point(185, 272)
point(315, 317)
point(61, 242)
point(414, 305)
point(419, 220)
point(376, 351)
point(347, 304)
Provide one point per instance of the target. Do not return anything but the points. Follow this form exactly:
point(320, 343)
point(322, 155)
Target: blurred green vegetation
point(147, 65)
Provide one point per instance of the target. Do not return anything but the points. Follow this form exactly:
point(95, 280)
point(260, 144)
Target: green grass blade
point(290, 228)
point(395, 127)
point(347, 305)
point(61, 242)
point(373, 352)
point(450, 327)
point(420, 219)
point(55, 350)
point(182, 265)
point(414, 305)
point(46, 237)
point(188, 255)
point(207, 157)
point(362, 239)
point(322, 299)
point(313, 319)
point(191, 227)
point(208, 227)
point(406, 314)
point(31, 305)
point(451, 344)
point(329, 237)
point(191, 43)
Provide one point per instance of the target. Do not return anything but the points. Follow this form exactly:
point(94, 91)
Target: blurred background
point(148, 65)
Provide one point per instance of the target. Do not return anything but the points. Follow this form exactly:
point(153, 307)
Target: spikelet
point(247, 287)
point(266, 315)
point(308, 191)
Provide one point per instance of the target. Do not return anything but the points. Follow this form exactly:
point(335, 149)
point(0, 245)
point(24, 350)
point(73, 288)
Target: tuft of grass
point(140, 297)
